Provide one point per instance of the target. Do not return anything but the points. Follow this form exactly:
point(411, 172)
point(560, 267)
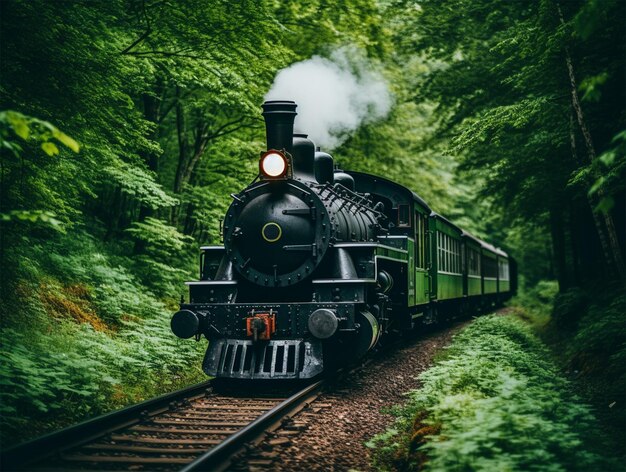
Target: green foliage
point(611, 168)
point(595, 349)
point(494, 402)
point(29, 128)
point(88, 338)
point(502, 88)
point(163, 98)
point(568, 307)
point(139, 184)
point(163, 242)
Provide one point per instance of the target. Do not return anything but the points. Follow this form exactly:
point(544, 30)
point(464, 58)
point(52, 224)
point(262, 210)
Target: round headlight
point(273, 164)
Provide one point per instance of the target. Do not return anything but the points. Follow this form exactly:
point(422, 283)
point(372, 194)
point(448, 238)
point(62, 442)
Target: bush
point(568, 308)
point(494, 402)
point(537, 302)
point(84, 337)
point(597, 353)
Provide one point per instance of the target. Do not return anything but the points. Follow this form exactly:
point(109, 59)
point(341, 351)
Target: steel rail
point(216, 456)
point(39, 448)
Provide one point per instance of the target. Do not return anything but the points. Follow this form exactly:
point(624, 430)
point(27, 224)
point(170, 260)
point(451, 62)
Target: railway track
point(193, 429)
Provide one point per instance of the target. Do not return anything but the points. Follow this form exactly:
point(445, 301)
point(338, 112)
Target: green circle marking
point(269, 225)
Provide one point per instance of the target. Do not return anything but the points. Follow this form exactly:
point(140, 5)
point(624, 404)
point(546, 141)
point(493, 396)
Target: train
point(318, 265)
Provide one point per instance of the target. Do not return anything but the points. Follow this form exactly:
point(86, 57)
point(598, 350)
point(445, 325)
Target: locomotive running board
point(274, 359)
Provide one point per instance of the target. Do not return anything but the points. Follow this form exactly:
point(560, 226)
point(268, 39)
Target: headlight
point(273, 165)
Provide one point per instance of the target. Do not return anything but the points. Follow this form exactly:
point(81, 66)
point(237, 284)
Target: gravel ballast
point(330, 435)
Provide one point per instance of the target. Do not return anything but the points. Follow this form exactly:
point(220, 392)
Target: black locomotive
point(318, 264)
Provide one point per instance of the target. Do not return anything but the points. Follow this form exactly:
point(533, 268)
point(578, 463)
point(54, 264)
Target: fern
point(494, 402)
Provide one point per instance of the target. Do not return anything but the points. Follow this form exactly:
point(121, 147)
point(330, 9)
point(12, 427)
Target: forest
point(126, 125)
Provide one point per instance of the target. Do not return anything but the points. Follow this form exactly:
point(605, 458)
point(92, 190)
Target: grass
point(494, 401)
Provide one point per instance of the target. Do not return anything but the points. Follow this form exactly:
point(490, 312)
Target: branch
point(145, 33)
point(136, 42)
point(229, 131)
point(165, 53)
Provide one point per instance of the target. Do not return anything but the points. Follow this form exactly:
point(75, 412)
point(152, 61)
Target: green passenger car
point(489, 264)
point(447, 262)
point(504, 278)
point(472, 267)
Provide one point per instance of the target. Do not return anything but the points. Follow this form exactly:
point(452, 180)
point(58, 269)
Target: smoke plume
point(334, 96)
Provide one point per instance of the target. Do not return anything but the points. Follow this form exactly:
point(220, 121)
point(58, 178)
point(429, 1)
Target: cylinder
point(303, 157)
point(324, 168)
point(279, 117)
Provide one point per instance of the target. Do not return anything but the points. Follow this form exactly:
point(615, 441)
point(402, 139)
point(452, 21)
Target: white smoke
point(334, 96)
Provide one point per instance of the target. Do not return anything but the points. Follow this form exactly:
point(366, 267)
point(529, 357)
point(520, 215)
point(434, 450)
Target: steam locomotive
point(318, 264)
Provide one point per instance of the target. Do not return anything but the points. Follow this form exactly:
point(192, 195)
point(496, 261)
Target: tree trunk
point(602, 220)
point(152, 113)
point(558, 247)
point(182, 144)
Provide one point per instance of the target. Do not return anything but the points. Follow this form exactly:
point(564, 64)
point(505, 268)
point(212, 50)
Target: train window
point(463, 259)
point(441, 259)
point(404, 215)
point(438, 251)
point(420, 240)
point(491, 268)
point(449, 254)
point(445, 252)
point(452, 255)
point(503, 269)
point(473, 262)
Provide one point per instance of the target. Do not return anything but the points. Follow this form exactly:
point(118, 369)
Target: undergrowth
point(588, 335)
point(84, 337)
point(585, 329)
point(494, 401)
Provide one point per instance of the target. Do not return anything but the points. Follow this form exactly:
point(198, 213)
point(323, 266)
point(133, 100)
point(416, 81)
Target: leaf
point(621, 136)
point(597, 184)
point(50, 149)
point(591, 87)
point(19, 124)
point(65, 139)
point(607, 158)
point(33, 216)
point(605, 205)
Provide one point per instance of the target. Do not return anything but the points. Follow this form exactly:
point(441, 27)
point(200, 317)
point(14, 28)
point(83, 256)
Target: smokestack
point(279, 116)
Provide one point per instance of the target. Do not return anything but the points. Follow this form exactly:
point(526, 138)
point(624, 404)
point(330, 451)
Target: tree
point(506, 91)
